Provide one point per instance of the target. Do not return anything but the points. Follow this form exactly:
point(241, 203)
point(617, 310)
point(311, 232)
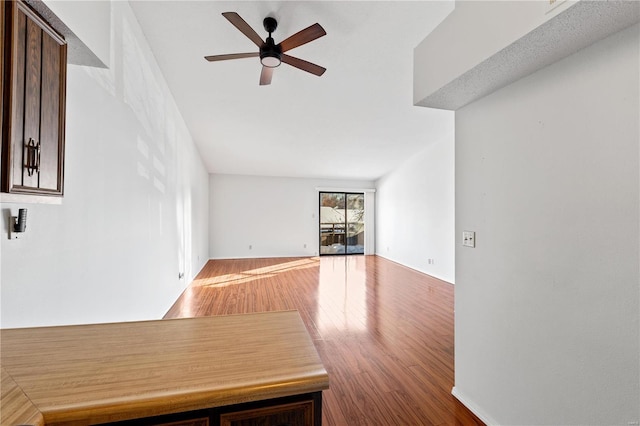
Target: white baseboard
point(473, 407)
point(431, 274)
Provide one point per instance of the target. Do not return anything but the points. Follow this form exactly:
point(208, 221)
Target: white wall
point(276, 216)
point(135, 210)
point(416, 211)
point(547, 304)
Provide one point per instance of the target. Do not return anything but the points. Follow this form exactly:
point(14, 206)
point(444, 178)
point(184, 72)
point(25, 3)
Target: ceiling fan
point(271, 54)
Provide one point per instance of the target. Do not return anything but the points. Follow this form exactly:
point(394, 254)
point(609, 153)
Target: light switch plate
point(468, 238)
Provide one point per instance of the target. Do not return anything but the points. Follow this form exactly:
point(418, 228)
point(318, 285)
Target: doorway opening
point(341, 223)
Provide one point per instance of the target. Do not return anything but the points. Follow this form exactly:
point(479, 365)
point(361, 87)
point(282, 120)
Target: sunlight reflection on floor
point(342, 284)
point(255, 274)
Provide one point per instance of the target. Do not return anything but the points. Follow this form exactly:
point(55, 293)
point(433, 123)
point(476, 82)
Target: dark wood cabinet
point(33, 110)
point(296, 410)
point(2, 61)
point(201, 421)
point(293, 414)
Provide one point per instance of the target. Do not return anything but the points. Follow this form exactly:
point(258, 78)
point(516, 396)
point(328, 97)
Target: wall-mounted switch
point(468, 238)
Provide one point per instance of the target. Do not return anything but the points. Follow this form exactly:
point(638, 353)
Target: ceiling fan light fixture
point(270, 53)
point(271, 61)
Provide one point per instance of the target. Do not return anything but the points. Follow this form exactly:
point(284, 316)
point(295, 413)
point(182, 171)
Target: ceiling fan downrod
point(270, 53)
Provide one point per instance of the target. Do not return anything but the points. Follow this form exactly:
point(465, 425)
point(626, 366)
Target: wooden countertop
point(109, 372)
point(16, 409)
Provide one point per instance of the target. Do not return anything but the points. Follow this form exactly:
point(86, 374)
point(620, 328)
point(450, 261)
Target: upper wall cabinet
point(33, 103)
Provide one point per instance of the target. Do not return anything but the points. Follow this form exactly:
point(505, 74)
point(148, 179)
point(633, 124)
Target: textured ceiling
point(357, 121)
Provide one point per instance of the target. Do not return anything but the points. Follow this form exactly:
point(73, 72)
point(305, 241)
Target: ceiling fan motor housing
point(270, 24)
point(270, 53)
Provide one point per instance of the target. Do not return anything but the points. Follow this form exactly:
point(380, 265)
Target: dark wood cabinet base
point(298, 410)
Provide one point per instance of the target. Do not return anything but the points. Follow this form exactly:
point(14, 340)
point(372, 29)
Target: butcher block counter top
point(15, 408)
point(110, 372)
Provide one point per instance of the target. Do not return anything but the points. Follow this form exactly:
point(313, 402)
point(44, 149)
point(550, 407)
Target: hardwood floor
point(384, 332)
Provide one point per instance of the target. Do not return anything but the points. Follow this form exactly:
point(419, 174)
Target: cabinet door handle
point(33, 156)
point(38, 163)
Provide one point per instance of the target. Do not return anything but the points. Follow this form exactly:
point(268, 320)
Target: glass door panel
point(355, 224)
point(341, 223)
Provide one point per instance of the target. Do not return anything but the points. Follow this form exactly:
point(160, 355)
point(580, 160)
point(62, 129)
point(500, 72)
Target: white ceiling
point(357, 121)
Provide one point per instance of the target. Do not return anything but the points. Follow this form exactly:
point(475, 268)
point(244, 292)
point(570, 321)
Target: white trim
point(29, 199)
point(473, 407)
point(369, 222)
point(348, 190)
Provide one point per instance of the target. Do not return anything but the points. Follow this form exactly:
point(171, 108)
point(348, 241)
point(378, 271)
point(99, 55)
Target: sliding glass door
point(341, 223)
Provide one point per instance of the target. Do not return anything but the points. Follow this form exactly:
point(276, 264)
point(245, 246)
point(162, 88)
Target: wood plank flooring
point(384, 332)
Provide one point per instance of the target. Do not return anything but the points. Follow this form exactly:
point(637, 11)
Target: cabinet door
point(294, 414)
point(3, 37)
point(201, 421)
point(53, 78)
point(34, 104)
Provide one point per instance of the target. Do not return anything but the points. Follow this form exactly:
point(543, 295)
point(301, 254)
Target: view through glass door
point(341, 223)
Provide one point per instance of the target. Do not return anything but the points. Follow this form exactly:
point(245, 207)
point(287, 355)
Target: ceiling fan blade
point(303, 65)
point(265, 76)
point(242, 25)
point(302, 37)
point(214, 58)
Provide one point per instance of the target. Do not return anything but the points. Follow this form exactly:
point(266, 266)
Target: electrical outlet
point(468, 238)
point(250, 246)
